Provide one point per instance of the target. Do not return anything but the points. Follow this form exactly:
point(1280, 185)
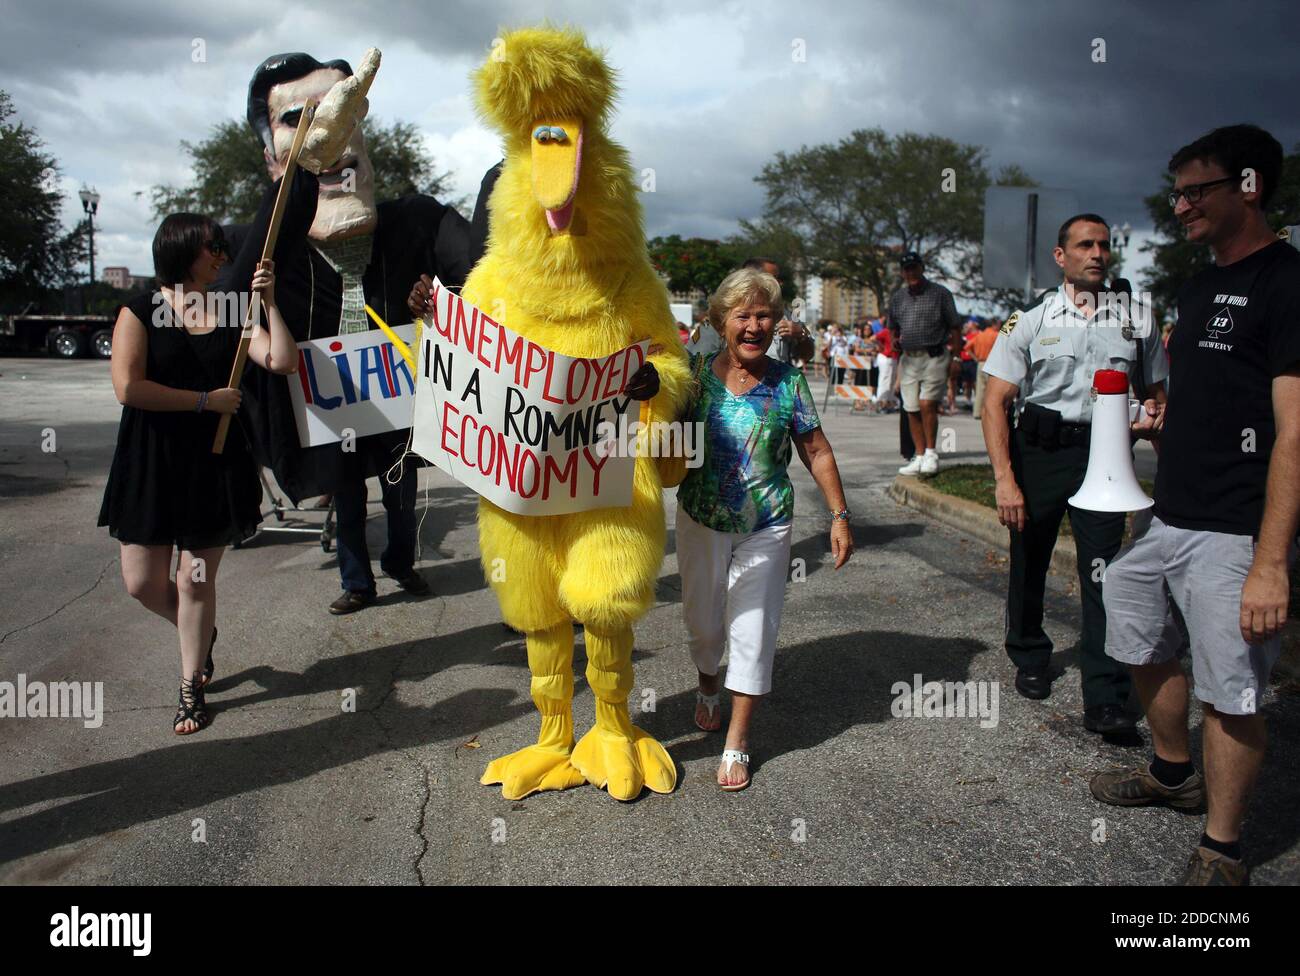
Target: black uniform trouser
point(1047, 479)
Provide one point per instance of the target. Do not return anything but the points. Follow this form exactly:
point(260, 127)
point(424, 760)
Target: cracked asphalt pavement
point(289, 785)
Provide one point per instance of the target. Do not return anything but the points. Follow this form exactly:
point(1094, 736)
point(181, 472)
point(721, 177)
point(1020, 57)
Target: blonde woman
point(734, 511)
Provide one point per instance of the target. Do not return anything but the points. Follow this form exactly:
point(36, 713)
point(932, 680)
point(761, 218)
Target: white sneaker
point(930, 464)
point(913, 466)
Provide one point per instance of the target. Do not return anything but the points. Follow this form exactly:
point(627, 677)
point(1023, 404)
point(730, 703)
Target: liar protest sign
point(519, 423)
point(356, 382)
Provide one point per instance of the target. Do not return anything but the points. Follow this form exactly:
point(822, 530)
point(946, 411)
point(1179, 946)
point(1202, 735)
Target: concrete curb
point(982, 523)
point(970, 517)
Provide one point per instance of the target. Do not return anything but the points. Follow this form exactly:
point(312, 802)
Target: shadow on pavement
point(191, 774)
point(822, 688)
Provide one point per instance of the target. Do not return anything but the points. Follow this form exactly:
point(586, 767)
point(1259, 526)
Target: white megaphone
point(1110, 484)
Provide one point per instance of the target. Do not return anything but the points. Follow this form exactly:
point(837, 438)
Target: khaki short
point(922, 377)
point(1200, 574)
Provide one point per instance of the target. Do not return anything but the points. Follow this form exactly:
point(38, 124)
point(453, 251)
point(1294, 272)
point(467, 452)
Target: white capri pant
point(885, 384)
point(733, 589)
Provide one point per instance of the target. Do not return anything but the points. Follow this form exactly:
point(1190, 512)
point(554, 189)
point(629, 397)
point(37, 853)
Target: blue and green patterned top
point(743, 484)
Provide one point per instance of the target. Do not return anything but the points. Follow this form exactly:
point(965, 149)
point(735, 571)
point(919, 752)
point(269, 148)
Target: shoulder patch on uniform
point(1284, 234)
point(1009, 324)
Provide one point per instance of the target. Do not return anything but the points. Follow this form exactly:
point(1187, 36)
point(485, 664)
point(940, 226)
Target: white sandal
point(710, 702)
point(729, 758)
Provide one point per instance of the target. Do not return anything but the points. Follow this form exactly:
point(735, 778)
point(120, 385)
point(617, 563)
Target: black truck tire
point(101, 344)
point(67, 344)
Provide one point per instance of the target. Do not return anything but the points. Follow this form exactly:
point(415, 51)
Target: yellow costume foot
point(531, 770)
point(610, 760)
point(544, 766)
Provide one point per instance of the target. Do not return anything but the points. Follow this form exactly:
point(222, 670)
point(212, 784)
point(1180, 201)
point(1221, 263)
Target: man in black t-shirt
point(1219, 544)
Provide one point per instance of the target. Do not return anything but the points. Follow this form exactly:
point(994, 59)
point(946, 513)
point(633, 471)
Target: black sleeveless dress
point(165, 486)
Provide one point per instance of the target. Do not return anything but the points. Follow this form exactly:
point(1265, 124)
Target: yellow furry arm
point(653, 320)
point(673, 365)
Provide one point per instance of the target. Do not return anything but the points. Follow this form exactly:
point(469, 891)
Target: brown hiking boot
point(1209, 868)
point(1136, 787)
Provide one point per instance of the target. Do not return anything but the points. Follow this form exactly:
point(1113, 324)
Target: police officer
point(1044, 360)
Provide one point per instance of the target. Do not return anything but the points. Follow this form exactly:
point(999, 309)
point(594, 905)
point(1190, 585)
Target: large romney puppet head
point(280, 88)
point(566, 198)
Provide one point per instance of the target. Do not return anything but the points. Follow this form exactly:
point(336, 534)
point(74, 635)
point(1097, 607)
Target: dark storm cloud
point(1018, 78)
point(710, 93)
point(58, 39)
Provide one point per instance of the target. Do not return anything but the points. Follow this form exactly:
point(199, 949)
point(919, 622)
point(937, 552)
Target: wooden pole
point(268, 249)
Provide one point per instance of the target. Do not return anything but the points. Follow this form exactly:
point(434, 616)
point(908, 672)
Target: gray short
point(1200, 574)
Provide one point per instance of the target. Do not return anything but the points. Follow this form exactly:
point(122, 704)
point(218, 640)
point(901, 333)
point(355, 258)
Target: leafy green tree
point(767, 238)
point(36, 254)
point(1174, 259)
point(230, 173)
point(696, 262)
point(856, 204)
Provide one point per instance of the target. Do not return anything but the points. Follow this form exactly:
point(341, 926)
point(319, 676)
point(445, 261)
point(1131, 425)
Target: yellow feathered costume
point(567, 261)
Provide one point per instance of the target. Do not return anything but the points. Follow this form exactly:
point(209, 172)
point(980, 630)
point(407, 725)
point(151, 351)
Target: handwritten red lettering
point(447, 410)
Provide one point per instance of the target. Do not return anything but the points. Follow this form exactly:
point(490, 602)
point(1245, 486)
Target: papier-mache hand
point(339, 112)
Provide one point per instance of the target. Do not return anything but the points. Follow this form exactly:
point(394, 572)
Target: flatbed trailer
point(62, 336)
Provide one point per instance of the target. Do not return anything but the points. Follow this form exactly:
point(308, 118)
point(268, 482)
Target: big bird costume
point(567, 259)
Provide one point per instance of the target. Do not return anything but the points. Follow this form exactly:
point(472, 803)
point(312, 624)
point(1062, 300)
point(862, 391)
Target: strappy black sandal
point(191, 706)
point(208, 668)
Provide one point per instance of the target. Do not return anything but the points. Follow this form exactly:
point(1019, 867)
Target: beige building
point(847, 305)
point(122, 278)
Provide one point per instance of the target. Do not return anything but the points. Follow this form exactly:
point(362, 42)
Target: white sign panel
point(356, 382)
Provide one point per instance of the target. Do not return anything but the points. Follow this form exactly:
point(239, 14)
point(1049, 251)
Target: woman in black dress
point(172, 353)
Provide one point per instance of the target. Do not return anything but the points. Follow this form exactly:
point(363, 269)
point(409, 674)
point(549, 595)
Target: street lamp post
point(1119, 237)
point(90, 203)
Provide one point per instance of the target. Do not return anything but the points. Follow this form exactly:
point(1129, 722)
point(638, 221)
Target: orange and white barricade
point(848, 392)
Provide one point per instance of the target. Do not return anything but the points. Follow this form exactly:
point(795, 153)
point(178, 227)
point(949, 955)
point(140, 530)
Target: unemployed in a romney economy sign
point(515, 421)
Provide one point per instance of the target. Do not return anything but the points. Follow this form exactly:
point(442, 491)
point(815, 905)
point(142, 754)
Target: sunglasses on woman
point(217, 247)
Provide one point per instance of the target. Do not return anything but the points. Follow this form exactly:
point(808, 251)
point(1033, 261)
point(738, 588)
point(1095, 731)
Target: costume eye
point(550, 133)
point(291, 117)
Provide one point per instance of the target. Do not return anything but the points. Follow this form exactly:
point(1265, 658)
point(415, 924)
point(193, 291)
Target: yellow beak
point(557, 164)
